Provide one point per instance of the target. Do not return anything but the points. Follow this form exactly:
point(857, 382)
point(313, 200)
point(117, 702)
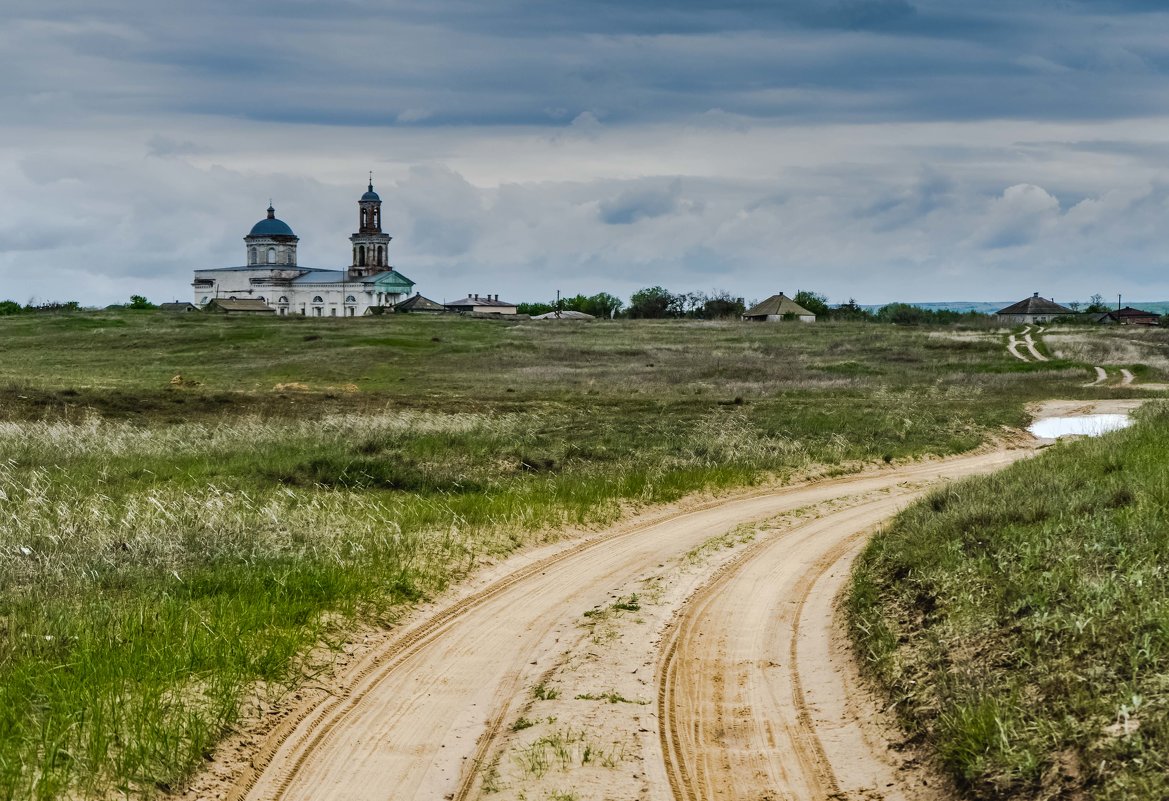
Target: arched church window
point(361, 255)
point(381, 256)
point(364, 218)
point(251, 255)
point(283, 299)
point(350, 299)
point(271, 255)
point(318, 299)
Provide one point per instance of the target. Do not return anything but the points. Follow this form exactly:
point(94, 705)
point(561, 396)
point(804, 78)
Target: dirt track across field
point(752, 693)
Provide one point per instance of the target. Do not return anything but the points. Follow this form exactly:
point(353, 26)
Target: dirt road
point(427, 713)
point(754, 694)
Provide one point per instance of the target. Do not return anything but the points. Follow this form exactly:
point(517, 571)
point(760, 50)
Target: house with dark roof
point(1032, 310)
point(178, 306)
point(485, 304)
point(419, 305)
point(238, 306)
point(776, 308)
point(1128, 316)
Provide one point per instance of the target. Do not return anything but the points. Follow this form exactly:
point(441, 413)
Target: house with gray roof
point(1032, 310)
point(776, 308)
point(417, 304)
point(273, 277)
point(481, 304)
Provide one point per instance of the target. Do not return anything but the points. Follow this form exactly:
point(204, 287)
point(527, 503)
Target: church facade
point(271, 273)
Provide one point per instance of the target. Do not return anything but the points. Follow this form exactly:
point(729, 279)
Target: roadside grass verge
point(1020, 622)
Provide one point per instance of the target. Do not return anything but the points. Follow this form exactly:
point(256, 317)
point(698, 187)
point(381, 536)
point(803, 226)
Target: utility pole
point(557, 303)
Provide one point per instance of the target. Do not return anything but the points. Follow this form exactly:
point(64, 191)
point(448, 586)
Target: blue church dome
point(370, 194)
point(271, 226)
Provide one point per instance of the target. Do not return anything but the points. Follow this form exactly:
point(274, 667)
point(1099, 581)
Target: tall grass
point(153, 576)
point(1021, 621)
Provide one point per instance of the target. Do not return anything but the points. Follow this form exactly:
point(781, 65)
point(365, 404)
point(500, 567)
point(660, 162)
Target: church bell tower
point(370, 246)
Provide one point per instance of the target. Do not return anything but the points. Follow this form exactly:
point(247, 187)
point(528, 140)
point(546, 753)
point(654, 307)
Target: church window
point(333, 311)
point(318, 299)
point(381, 256)
point(283, 299)
point(350, 299)
point(361, 255)
point(251, 255)
point(271, 255)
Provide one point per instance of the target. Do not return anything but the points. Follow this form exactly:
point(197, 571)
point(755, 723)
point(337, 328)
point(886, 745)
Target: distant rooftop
point(1036, 305)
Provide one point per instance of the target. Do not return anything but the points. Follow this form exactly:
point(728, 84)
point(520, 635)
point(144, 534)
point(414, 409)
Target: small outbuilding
point(1032, 310)
point(419, 305)
point(567, 314)
point(482, 304)
point(238, 306)
point(178, 306)
point(776, 308)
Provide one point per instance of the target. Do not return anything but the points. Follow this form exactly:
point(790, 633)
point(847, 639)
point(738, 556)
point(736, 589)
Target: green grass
point(611, 697)
point(170, 546)
point(1020, 622)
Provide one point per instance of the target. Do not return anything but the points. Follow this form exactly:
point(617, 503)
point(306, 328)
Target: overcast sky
point(914, 150)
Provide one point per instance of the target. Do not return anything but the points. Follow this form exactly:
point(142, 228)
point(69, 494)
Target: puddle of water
point(1089, 425)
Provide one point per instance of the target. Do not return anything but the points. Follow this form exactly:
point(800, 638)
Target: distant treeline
point(10, 307)
point(658, 303)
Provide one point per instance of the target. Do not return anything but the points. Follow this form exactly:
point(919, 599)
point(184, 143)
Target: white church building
point(273, 276)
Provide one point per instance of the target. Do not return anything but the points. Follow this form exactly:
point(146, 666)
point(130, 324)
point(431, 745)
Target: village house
point(272, 276)
point(1032, 310)
point(417, 304)
point(776, 308)
point(486, 304)
point(238, 306)
point(1128, 316)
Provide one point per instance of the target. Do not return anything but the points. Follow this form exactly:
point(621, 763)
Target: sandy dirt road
point(418, 717)
point(755, 698)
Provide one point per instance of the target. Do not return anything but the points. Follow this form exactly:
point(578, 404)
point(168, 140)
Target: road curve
point(752, 701)
point(415, 717)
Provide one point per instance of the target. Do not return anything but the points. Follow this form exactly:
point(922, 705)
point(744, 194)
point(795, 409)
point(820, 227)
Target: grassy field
point(1021, 621)
point(190, 504)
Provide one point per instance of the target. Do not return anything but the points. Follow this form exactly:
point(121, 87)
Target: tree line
point(658, 303)
point(10, 307)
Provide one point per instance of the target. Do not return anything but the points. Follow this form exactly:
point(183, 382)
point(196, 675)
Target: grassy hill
point(1020, 622)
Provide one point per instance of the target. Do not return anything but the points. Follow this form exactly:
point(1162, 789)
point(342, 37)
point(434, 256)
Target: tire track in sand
point(752, 702)
point(410, 720)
